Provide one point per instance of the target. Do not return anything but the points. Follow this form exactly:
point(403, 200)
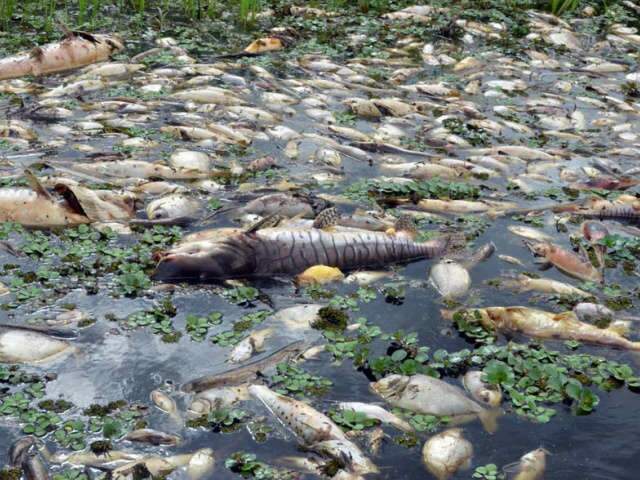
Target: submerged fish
point(541, 324)
point(531, 465)
point(567, 262)
point(246, 372)
point(275, 251)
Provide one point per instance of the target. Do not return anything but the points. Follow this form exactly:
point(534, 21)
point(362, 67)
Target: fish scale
point(278, 251)
point(297, 250)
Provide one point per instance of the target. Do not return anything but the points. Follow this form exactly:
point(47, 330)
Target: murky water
point(115, 363)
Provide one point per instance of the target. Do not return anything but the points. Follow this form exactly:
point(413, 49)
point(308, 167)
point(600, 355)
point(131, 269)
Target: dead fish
point(367, 277)
point(547, 325)
point(524, 283)
point(566, 261)
point(76, 50)
point(450, 279)
point(200, 464)
point(251, 344)
point(594, 232)
point(531, 465)
point(347, 454)
point(22, 345)
point(217, 398)
point(165, 403)
point(172, 206)
point(246, 372)
point(446, 453)
point(309, 425)
point(594, 313)
point(286, 205)
point(487, 394)
point(529, 233)
point(431, 396)
point(379, 413)
point(153, 437)
point(277, 251)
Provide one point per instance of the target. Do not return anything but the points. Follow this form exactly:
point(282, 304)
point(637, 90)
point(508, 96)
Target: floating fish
point(446, 453)
point(540, 324)
point(275, 251)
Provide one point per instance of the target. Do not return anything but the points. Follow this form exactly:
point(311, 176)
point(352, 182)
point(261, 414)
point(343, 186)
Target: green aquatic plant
point(488, 472)
point(290, 379)
point(247, 12)
point(352, 420)
point(198, 327)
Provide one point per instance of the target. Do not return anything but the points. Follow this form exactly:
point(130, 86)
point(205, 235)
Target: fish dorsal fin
point(327, 218)
point(565, 316)
point(269, 221)
point(71, 199)
point(36, 185)
point(406, 224)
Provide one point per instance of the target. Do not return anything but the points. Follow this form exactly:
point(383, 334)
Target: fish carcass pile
point(191, 251)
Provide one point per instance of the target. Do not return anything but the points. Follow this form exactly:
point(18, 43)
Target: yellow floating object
point(266, 44)
point(320, 274)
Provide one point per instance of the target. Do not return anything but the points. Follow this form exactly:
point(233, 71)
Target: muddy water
point(113, 363)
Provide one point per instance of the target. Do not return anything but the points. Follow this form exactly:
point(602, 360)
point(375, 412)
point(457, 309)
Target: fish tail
point(489, 419)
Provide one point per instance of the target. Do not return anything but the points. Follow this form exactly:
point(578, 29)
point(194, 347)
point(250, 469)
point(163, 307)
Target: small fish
point(567, 262)
point(531, 465)
point(165, 403)
point(367, 277)
point(529, 233)
point(379, 413)
point(201, 464)
point(347, 454)
point(524, 283)
point(309, 425)
point(153, 437)
point(217, 398)
point(251, 344)
point(447, 452)
point(246, 372)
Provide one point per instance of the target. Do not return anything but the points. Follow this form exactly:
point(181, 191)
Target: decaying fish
point(314, 429)
point(23, 345)
point(531, 465)
point(487, 394)
point(446, 453)
point(379, 413)
point(567, 262)
point(275, 251)
point(153, 437)
point(320, 275)
point(525, 283)
point(217, 398)
point(431, 396)
point(249, 345)
point(246, 372)
point(541, 324)
point(450, 279)
point(76, 50)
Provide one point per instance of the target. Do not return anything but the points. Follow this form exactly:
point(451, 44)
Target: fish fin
point(406, 223)
point(327, 218)
point(489, 419)
point(72, 200)
point(568, 315)
point(543, 264)
point(36, 185)
point(269, 221)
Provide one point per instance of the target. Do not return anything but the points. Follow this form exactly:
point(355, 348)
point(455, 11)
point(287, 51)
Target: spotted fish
point(279, 251)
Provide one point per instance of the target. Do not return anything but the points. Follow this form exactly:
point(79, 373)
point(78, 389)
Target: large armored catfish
point(277, 251)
